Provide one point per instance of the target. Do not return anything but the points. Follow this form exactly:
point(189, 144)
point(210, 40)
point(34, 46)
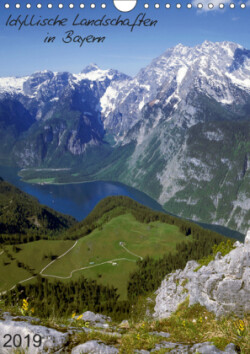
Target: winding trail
point(62, 255)
point(88, 267)
point(23, 281)
point(92, 266)
point(133, 254)
point(75, 270)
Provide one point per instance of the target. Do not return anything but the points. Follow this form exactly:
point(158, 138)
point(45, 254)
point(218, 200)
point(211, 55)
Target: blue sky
point(24, 52)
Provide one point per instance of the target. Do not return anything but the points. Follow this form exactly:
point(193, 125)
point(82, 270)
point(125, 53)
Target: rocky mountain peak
point(89, 68)
point(169, 79)
point(219, 45)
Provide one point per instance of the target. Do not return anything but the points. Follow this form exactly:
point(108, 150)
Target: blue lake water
point(79, 199)
point(76, 199)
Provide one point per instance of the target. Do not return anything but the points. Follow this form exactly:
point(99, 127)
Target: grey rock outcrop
point(37, 339)
point(52, 341)
point(95, 318)
point(209, 348)
point(94, 347)
point(202, 348)
point(160, 334)
point(223, 286)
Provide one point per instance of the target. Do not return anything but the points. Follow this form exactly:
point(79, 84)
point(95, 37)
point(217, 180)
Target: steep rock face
point(69, 124)
point(211, 168)
point(223, 286)
point(187, 113)
point(56, 112)
point(171, 81)
point(185, 169)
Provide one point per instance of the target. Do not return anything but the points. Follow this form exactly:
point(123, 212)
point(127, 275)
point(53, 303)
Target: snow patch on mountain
point(205, 68)
point(181, 74)
point(96, 75)
point(12, 84)
point(108, 100)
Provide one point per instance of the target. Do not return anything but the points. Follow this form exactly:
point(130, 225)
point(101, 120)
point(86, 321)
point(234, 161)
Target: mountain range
point(179, 130)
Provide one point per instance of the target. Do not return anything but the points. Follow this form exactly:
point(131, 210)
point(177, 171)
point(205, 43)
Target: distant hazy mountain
point(179, 130)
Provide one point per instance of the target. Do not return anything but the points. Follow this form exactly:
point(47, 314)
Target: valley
point(75, 198)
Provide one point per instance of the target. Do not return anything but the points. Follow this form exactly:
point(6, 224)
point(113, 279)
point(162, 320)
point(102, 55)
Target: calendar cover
point(124, 176)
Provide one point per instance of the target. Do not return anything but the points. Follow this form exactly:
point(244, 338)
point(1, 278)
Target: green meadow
point(108, 254)
point(34, 254)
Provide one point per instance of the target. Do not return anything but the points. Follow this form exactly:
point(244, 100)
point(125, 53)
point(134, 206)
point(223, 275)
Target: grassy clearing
point(41, 180)
point(111, 275)
point(102, 245)
point(10, 274)
point(34, 254)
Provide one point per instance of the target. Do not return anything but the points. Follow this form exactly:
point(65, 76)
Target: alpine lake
point(76, 199)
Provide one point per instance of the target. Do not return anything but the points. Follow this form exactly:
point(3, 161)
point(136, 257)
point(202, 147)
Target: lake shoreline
point(79, 198)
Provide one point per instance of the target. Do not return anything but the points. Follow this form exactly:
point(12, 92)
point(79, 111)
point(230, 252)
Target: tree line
point(111, 207)
point(150, 272)
point(61, 299)
point(23, 219)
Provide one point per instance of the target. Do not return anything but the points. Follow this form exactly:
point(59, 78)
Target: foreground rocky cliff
point(26, 333)
point(223, 286)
